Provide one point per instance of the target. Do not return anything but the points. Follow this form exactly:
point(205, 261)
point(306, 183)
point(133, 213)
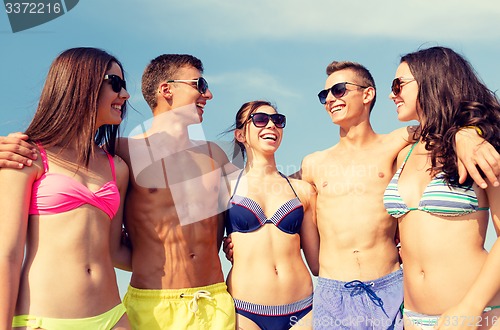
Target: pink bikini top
point(55, 193)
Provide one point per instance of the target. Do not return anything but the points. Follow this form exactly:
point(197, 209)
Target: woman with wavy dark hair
point(62, 216)
point(450, 280)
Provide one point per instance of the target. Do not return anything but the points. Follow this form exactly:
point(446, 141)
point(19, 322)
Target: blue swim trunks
point(359, 305)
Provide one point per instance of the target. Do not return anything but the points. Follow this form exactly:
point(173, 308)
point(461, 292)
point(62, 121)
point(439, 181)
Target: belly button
point(355, 251)
point(192, 255)
point(325, 184)
point(152, 190)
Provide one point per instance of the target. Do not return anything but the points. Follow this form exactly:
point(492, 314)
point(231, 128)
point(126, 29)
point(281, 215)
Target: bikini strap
point(286, 178)
point(409, 152)
point(111, 164)
point(44, 157)
point(237, 182)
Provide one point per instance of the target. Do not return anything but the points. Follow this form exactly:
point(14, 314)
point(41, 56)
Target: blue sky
point(275, 50)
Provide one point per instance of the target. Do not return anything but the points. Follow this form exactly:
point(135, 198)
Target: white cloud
point(255, 80)
point(320, 19)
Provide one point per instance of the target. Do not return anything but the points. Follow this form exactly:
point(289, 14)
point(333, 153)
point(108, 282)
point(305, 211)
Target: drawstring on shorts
point(357, 288)
point(193, 304)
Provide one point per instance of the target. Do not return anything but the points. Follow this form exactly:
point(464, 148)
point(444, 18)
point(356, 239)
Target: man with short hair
point(172, 211)
point(360, 284)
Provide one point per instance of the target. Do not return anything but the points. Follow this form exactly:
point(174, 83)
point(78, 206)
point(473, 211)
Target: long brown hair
point(67, 110)
point(451, 96)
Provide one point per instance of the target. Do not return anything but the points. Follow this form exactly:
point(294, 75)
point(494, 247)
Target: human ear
point(368, 95)
point(239, 135)
point(164, 90)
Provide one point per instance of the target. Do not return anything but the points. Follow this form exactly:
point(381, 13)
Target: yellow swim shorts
point(104, 321)
point(205, 308)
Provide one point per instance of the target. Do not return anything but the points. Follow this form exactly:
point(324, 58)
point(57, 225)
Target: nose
point(392, 96)
point(208, 94)
point(270, 123)
point(124, 94)
point(330, 97)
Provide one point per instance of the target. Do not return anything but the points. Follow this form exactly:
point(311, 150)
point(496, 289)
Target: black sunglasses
point(260, 119)
point(398, 83)
point(116, 82)
point(201, 83)
point(338, 90)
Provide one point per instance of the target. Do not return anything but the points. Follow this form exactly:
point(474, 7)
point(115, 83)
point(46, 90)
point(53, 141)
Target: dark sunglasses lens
point(396, 86)
point(279, 120)
point(260, 119)
point(338, 90)
point(202, 85)
point(116, 83)
point(322, 96)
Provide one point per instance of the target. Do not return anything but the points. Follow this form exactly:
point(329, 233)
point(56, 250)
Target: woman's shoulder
point(38, 166)
point(121, 167)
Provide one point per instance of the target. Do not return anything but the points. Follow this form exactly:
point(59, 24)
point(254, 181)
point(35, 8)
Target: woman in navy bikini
point(270, 217)
point(450, 280)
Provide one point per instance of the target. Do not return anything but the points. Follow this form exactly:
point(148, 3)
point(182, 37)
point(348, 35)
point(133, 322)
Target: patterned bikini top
point(246, 215)
point(439, 197)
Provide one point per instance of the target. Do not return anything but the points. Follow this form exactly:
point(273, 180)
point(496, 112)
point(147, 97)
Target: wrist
point(470, 128)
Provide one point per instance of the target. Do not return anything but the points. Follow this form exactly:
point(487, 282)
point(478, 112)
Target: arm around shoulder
point(15, 151)
point(473, 150)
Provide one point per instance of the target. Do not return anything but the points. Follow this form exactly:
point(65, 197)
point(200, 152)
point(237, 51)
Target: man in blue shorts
point(360, 284)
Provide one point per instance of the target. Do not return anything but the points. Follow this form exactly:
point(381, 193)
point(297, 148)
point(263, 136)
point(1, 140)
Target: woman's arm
point(120, 250)
point(309, 236)
point(15, 194)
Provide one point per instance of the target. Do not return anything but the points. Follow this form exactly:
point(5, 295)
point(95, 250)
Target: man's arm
point(473, 152)
point(15, 152)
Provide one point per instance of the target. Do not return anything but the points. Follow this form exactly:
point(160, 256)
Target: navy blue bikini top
point(246, 215)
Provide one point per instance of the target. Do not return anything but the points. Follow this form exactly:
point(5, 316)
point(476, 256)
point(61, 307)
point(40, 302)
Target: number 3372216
point(32, 8)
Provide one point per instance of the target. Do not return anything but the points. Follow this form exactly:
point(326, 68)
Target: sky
point(274, 50)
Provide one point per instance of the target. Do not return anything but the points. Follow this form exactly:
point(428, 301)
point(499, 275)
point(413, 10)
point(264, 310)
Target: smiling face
point(406, 100)
point(351, 105)
point(109, 102)
point(185, 93)
point(259, 140)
